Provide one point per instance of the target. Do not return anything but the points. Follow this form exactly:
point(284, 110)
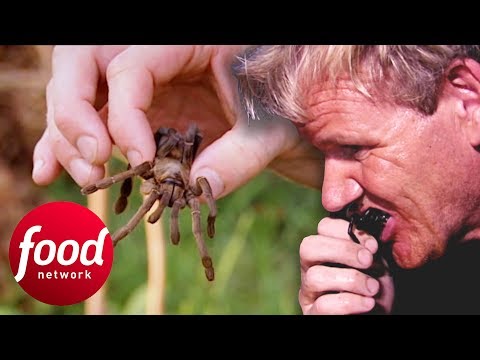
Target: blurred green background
point(258, 229)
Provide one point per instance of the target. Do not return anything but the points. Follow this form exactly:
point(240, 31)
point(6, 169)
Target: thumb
point(242, 153)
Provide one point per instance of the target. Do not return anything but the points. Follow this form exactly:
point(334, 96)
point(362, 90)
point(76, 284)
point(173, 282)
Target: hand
point(104, 95)
point(333, 280)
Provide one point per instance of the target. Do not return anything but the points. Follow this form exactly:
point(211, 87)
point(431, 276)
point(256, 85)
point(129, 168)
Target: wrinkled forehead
point(332, 95)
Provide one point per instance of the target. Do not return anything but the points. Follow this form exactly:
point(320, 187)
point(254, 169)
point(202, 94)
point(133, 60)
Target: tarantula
point(167, 181)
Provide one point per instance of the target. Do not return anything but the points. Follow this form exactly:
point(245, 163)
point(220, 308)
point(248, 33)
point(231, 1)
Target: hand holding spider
point(167, 181)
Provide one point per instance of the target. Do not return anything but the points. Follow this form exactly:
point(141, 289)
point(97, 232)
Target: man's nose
point(339, 186)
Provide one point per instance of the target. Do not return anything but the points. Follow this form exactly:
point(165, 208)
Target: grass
point(255, 252)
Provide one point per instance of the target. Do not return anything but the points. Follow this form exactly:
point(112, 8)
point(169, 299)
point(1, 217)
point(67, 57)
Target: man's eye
point(356, 151)
point(353, 148)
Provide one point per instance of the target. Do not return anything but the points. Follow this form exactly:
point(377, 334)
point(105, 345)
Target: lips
point(388, 230)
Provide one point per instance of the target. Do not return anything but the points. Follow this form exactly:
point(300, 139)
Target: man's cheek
point(385, 174)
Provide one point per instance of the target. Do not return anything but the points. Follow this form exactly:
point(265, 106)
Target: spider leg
point(203, 186)
point(125, 191)
point(142, 170)
point(194, 204)
point(350, 231)
point(164, 199)
point(174, 230)
point(167, 143)
point(192, 141)
point(133, 222)
point(159, 136)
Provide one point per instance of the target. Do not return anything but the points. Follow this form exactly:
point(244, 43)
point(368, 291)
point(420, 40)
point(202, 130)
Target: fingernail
point(371, 245)
point(368, 302)
point(134, 157)
point(372, 285)
point(80, 170)
point(87, 146)
point(364, 256)
point(37, 167)
point(216, 183)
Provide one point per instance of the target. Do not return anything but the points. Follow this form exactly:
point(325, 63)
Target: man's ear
point(463, 83)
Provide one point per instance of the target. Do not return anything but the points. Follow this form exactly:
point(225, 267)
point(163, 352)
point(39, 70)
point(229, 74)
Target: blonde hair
point(275, 79)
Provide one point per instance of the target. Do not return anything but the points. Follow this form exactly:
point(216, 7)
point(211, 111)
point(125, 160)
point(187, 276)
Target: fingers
point(76, 73)
point(72, 161)
point(46, 168)
point(340, 304)
point(242, 153)
point(132, 78)
point(318, 249)
point(338, 228)
point(54, 149)
point(327, 286)
point(75, 131)
point(80, 124)
point(318, 280)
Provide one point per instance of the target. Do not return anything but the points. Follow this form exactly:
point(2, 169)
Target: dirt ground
point(24, 73)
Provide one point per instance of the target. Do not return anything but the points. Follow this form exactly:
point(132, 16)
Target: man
point(397, 128)
point(400, 130)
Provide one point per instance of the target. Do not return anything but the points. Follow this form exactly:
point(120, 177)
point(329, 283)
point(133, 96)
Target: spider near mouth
point(167, 182)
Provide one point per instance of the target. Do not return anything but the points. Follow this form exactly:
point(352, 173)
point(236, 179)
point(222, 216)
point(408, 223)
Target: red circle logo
point(61, 253)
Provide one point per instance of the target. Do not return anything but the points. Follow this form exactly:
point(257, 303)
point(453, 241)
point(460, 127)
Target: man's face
point(416, 168)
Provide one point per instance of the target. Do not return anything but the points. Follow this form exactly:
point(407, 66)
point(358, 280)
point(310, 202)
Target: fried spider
point(167, 181)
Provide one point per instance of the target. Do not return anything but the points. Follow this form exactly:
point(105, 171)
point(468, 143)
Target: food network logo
point(61, 253)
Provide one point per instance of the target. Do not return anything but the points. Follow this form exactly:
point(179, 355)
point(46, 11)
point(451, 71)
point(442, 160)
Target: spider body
point(167, 182)
point(170, 171)
point(372, 221)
